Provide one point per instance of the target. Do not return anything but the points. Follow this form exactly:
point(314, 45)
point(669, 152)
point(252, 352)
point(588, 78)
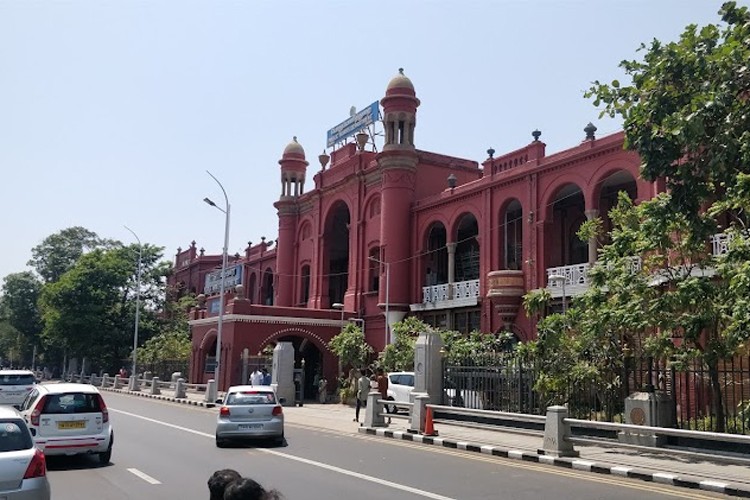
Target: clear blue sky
point(112, 110)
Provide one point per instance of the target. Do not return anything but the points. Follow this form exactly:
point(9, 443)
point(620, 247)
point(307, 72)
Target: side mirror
point(17, 407)
point(219, 401)
point(282, 401)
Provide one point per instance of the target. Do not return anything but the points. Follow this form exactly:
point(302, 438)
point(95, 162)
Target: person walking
point(256, 378)
point(322, 389)
point(382, 381)
point(363, 389)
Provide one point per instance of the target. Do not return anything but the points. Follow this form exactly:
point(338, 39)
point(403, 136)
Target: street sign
point(233, 277)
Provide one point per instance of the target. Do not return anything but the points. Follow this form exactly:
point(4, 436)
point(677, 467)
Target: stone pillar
point(155, 386)
point(418, 412)
point(211, 393)
point(591, 215)
point(556, 434)
point(117, 383)
point(282, 372)
point(451, 268)
point(428, 366)
point(134, 384)
point(374, 411)
point(180, 391)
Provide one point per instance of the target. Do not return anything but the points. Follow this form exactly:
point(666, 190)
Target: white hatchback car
point(23, 468)
point(69, 419)
point(15, 386)
point(400, 387)
point(250, 412)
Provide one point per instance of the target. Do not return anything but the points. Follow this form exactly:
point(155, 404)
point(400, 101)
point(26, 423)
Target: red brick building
point(451, 240)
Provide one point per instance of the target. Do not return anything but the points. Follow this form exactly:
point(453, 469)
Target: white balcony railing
point(575, 275)
point(720, 244)
point(460, 289)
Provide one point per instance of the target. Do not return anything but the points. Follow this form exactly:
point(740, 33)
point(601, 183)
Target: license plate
point(250, 426)
point(73, 424)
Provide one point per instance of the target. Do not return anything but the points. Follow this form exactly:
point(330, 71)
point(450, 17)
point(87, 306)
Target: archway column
point(591, 215)
point(451, 268)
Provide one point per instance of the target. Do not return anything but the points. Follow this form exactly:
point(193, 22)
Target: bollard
point(180, 391)
point(155, 386)
point(556, 434)
point(104, 379)
point(134, 384)
point(210, 396)
point(175, 376)
point(373, 417)
point(418, 411)
point(117, 382)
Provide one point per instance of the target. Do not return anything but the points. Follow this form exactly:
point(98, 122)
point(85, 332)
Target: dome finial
point(401, 71)
point(294, 138)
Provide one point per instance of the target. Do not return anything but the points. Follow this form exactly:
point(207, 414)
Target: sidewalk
point(691, 470)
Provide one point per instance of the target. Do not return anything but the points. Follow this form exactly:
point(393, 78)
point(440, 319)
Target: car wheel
point(279, 440)
point(104, 458)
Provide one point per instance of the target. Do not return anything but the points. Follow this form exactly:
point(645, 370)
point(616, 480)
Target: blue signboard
point(354, 124)
point(233, 277)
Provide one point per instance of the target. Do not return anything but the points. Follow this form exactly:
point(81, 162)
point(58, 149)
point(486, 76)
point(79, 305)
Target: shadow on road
point(75, 462)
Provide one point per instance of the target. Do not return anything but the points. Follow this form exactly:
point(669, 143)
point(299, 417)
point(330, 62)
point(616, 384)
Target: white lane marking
point(144, 476)
point(332, 468)
point(345, 472)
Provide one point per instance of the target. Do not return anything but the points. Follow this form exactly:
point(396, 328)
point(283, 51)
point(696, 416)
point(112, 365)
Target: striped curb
point(159, 397)
point(569, 463)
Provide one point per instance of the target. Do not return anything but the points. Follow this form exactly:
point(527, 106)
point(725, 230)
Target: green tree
point(59, 252)
point(20, 293)
point(174, 342)
point(686, 114)
point(399, 355)
point(351, 347)
point(90, 310)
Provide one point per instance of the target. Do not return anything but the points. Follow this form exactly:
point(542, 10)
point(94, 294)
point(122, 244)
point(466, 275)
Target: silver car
point(23, 468)
point(15, 385)
point(250, 412)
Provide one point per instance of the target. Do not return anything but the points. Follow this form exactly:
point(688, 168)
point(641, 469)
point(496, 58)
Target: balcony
point(720, 244)
point(463, 293)
point(576, 277)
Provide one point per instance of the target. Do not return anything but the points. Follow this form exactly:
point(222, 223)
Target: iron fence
point(504, 382)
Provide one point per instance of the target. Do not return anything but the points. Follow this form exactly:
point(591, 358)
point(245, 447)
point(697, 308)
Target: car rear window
point(72, 403)
point(14, 436)
point(251, 398)
point(17, 379)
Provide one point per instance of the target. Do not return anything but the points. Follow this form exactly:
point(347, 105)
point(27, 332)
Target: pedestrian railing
point(151, 384)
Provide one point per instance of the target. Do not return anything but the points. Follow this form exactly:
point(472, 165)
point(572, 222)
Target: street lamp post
point(340, 306)
point(137, 304)
point(561, 278)
point(387, 296)
point(222, 286)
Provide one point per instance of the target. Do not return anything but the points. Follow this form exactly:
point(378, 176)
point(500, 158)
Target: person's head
point(248, 489)
point(380, 371)
point(264, 370)
point(219, 481)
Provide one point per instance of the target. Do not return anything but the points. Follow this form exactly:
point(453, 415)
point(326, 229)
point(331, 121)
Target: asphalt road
point(166, 451)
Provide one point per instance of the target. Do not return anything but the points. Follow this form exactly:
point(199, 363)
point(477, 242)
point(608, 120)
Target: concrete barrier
point(155, 386)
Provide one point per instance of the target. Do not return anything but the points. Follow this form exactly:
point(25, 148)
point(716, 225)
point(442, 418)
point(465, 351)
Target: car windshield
point(13, 436)
point(251, 398)
point(18, 379)
point(72, 403)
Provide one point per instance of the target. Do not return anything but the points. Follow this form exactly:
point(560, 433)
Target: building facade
point(383, 234)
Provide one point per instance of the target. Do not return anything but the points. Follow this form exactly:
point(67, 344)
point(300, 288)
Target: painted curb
point(570, 463)
point(158, 396)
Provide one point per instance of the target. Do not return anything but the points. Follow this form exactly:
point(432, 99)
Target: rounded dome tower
point(293, 170)
point(399, 112)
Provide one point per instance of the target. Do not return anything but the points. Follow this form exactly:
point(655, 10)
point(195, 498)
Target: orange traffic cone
point(429, 429)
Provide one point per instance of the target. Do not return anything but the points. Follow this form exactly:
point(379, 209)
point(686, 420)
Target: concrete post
point(374, 410)
point(155, 386)
point(134, 384)
point(175, 376)
point(428, 366)
point(556, 434)
point(105, 377)
point(418, 412)
point(282, 372)
point(211, 394)
point(117, 383)
point(180, 391)
point(146, 375)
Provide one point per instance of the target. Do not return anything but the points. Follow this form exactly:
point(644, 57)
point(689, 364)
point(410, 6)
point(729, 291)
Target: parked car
point(15, 385)
point(69, 419)
point(23, 468)
point(400, 386)
point(250, 412)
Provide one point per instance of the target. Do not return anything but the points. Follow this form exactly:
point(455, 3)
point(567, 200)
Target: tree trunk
point(717, 400)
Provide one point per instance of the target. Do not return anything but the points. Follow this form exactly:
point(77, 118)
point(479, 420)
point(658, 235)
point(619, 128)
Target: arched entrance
point(336, 244)
point(308, 358)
